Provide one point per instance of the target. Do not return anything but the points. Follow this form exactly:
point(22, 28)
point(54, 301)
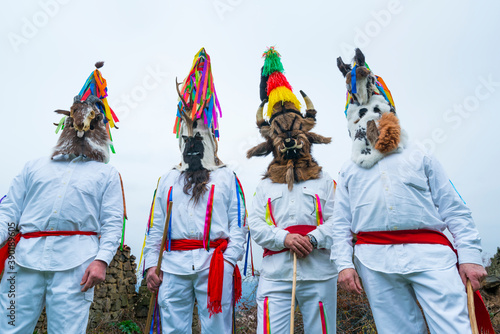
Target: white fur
point(363, 153)
point(210, 146)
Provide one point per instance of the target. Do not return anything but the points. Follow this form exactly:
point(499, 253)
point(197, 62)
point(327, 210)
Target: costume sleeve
point(155, 234)
point(111, 218)
point(453, 211)
point(12, 205)
point(235, 247)
point(342, 248)
point(265, 235)
point(323, 233)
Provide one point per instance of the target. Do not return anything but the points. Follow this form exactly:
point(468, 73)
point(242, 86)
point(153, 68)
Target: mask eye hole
point(185, 138)
point(362, 112)
point(377, 110)
point(198, 136)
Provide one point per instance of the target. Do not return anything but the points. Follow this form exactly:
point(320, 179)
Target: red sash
point(215, 273)
point(425, 236)
point(298, 229)
point(12, 243)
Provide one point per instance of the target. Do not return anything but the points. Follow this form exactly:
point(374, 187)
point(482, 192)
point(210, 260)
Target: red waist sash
point(12, 243)
point(297, 229)
point(215, 273)
point(425, 236)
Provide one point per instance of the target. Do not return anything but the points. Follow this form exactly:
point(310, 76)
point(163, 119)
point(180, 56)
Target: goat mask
point(371, 115)
point(287, 133)
point(86, 126)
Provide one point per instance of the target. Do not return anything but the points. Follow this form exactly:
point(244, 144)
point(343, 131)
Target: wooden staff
point(470, 306)
point(152, 301)
point(294, 287)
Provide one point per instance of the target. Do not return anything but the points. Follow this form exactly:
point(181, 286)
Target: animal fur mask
point(289, 138)
point(84, 132)
point(371, 117)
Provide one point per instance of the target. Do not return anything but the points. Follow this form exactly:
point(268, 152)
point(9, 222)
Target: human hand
point(94, 274)
point(153, 280)
point(298, 244)
point(349, 280)
point(474, 272)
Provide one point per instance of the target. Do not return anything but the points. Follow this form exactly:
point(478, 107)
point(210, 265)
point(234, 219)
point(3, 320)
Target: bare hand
point(349, 280)
point(94, 274)
point(298, 244)
point(474, 272)
point(153, 280)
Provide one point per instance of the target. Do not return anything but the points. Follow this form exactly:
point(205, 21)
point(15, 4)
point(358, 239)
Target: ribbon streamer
point(208, 219)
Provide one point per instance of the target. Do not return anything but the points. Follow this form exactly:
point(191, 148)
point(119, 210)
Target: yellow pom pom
point(280, 95)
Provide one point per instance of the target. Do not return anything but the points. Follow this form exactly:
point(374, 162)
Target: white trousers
point(176, 300)
point(393, 300)
point(308, 296)
point(24, 293)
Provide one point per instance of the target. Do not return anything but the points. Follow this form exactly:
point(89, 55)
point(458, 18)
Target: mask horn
point(309, 104)
point(185, 117)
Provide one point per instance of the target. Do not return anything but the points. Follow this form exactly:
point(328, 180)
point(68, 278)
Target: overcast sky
point(439, 59)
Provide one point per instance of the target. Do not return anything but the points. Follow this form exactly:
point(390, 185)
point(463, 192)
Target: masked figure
point(398, 200)
point(292, 211)
point(68, 210)
point(206, 232)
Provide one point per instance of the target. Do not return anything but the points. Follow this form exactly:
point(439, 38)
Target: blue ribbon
point(457, 192)
point(354, 90)
point(170, 224)
point(246, 255)
point(238, 197)
point(1, 199)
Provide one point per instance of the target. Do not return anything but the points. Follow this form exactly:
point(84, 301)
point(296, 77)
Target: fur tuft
point(390, 133)
point(99, 64)
point(290, 174)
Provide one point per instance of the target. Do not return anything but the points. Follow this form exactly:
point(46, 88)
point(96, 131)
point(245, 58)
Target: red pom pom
point(277, 79)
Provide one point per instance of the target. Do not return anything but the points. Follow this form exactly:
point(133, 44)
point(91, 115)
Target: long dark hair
point(196, 181)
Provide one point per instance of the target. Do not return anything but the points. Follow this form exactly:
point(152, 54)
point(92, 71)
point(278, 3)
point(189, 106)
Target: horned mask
point(287, 132)
point(85, 127)
point(371, 115)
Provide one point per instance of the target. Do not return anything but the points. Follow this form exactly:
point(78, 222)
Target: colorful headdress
point(274, 85)
point(198, 95)
point(96, 85)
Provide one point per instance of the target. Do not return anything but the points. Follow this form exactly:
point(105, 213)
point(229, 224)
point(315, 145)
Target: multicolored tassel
point(97, 85)
point(319, 212)
point(266, 317)
point(199, 92)
point(148, 227)
point(324, 322)
point(240, 194)
point(208, 219)
point(269, 214)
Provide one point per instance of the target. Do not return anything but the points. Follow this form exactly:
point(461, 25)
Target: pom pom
point(277, 79)
point(272, 63)
point(280, 95)
point(99, 64)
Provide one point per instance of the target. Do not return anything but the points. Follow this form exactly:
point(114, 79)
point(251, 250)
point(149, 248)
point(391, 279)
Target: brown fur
point(94, 143)
point(372, 132)
point(288, 123)
point(390, 132)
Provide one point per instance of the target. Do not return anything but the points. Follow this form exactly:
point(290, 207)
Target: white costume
point(185, 273)
point(406, 191)
point(63, 194)
point(316, 275)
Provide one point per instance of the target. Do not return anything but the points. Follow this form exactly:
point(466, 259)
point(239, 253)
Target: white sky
point(439, 59)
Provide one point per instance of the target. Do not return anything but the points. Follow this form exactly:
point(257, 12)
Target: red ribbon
point(425, 236)
point(215, 273)
point(12, 243)
point(297, 229)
